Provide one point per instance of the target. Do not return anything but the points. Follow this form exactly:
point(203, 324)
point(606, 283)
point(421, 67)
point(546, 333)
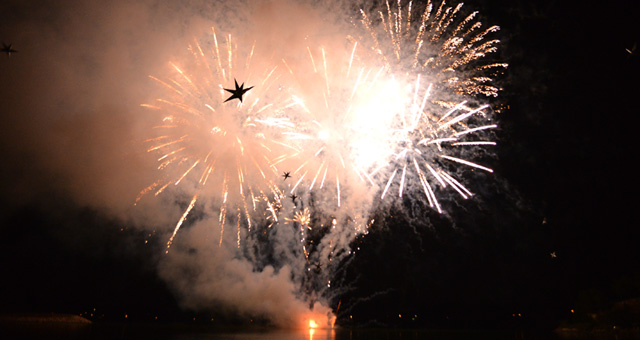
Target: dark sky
point(563, 185)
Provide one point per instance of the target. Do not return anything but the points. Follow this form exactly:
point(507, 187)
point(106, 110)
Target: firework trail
point(441, 59)
point(217, 148)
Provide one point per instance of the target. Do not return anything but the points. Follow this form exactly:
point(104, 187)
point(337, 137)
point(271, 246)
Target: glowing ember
point(313, 324)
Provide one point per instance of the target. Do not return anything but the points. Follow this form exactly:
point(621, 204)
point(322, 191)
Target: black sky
point(564, 183)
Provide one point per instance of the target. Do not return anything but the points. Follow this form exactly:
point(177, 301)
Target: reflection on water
point(183, 332)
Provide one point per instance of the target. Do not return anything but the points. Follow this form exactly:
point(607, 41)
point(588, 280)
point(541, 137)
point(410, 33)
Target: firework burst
point(441, 57)
point(212, 147)
point(431, 138)
point(450, 49)
point(396, 108)
point(342, 123)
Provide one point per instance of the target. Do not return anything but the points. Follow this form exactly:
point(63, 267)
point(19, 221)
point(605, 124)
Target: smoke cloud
point(73, 124)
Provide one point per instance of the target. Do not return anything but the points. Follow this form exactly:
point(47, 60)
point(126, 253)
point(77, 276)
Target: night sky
point(550, 231)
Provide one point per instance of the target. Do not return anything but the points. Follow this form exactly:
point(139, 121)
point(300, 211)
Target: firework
point(396, 108)
point(431, 139)
point(442, 60)
point(342, 131)
point(212, 147)
point(450, 49)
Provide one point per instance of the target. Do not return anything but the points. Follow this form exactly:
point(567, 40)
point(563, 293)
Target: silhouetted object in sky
point(238, 92)
point(286, 175)
point(8, 50)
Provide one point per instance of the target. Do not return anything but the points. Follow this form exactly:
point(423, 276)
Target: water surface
point(186, 332)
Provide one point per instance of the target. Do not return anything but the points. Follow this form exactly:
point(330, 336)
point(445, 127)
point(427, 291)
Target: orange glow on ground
point(318, 318)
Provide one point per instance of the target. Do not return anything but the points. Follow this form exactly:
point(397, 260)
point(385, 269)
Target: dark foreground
point(78, 329)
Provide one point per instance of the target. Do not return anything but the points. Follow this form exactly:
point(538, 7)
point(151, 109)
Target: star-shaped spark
point(238, 92)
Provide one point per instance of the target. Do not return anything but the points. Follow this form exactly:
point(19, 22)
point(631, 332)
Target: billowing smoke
point(107, 99)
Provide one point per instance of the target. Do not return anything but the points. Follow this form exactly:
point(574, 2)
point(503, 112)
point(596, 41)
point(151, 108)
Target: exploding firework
point(212, 146)
point(429, 142)
point(450, 51)
point(396, 108)
point(441, 59)
point(341, 134)
point(342, 123)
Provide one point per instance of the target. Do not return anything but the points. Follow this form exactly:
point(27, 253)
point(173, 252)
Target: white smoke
point(73, 123)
